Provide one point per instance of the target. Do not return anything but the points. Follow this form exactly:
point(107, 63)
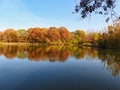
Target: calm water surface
point(58, 68)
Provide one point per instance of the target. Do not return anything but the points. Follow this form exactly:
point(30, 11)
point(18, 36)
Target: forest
point(108, 38)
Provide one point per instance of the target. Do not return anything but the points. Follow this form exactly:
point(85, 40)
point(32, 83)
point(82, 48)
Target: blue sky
point(19, 14)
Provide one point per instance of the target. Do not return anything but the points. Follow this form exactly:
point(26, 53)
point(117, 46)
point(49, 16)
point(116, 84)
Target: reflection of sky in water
point(74, 74)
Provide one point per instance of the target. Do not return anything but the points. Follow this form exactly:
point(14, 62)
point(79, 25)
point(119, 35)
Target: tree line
point(36, 35)
point(50, 35)
point(109, 38)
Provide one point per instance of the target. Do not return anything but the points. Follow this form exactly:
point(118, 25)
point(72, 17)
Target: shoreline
point(40, 44)
point(86, 45)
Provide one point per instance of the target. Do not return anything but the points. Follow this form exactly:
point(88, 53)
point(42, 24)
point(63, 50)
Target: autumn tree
point(21, 33)
point(33, 34)
point(28, 34)
point(116, 25)
point(80, 35)
point(92, 37)
point(73, 40)
point(114, 34)
point(53, 34)
point(1, 35)
point(65, 34)
point(43, 35)
point(10, 35)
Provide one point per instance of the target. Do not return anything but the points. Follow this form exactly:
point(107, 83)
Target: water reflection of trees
point(37, 53)
point(9, 51)
point(48, 53)
point(110, 58)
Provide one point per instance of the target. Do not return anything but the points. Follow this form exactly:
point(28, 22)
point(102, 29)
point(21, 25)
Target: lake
point(26, 67)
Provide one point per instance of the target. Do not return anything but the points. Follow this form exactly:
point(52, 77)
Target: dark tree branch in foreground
point(101, 7)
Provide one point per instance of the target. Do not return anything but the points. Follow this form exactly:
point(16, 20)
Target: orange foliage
point(10, 35)
point(53, 34)
point(65, 34)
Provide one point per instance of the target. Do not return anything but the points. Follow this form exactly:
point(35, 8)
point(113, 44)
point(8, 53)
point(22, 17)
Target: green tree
point(80, 35)
point(21, 33)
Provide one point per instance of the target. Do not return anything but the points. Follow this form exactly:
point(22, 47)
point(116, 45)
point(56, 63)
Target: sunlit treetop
point(101, 7)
